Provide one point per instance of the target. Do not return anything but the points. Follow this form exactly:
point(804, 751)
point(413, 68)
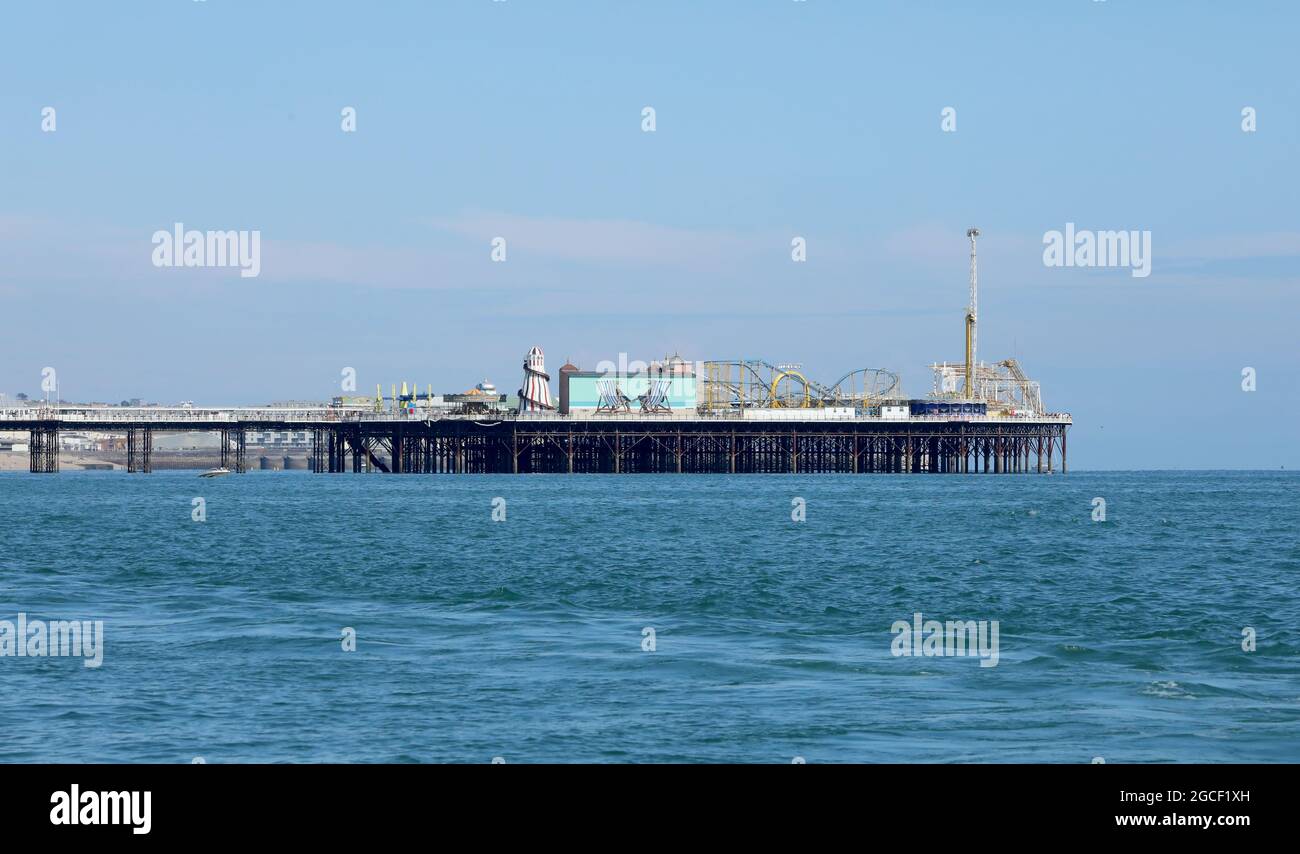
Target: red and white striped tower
point(535, 396)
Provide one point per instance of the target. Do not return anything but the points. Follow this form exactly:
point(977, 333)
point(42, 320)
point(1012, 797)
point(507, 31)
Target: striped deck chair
point(612, 398)
point(656, 398)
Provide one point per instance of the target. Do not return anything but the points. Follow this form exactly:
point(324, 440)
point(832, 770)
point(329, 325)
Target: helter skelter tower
point(535, 395)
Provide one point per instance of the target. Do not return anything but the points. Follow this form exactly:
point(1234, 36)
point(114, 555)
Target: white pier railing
point(89, 417)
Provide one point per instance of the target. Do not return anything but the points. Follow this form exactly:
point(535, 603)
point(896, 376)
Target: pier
point(352, 441)
point(727, 416)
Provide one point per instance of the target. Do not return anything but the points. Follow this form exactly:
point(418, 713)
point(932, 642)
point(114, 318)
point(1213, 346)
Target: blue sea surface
point(525, 639)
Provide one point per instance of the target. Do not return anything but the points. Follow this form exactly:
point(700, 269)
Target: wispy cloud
point(551, 254)
point(612, 241)
point(379, 266)
point(1276, 244)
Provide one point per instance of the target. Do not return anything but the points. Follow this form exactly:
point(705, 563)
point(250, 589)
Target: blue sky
point(774, 119)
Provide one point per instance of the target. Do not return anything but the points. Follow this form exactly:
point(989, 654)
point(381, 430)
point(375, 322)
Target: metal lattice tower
point(972, 318)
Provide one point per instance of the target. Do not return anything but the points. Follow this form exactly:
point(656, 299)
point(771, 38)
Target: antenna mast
point(971, 315)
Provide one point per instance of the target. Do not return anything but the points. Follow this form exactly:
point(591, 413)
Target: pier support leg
point(139, 448)
point(318, 448)
point(232, 449)
point(43, 450)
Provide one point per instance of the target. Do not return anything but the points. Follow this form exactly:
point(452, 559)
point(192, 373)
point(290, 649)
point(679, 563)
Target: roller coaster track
point(877, 384)
point(1029, 391)
point(743, 384)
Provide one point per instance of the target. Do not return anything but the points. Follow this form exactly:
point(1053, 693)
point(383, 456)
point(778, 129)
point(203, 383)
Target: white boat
point(217, 472)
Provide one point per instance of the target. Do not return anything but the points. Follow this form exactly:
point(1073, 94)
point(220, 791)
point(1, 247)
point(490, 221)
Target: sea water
point(293, 617)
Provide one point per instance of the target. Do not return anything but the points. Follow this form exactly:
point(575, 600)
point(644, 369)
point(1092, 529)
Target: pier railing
point(200, 417)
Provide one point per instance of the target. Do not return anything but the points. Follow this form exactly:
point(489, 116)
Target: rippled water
point(523, 639)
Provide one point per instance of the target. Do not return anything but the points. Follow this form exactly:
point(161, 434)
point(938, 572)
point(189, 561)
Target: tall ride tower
point(971, 316)
point(535, 395)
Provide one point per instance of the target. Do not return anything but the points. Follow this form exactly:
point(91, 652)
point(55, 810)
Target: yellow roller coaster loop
point(790, 400)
